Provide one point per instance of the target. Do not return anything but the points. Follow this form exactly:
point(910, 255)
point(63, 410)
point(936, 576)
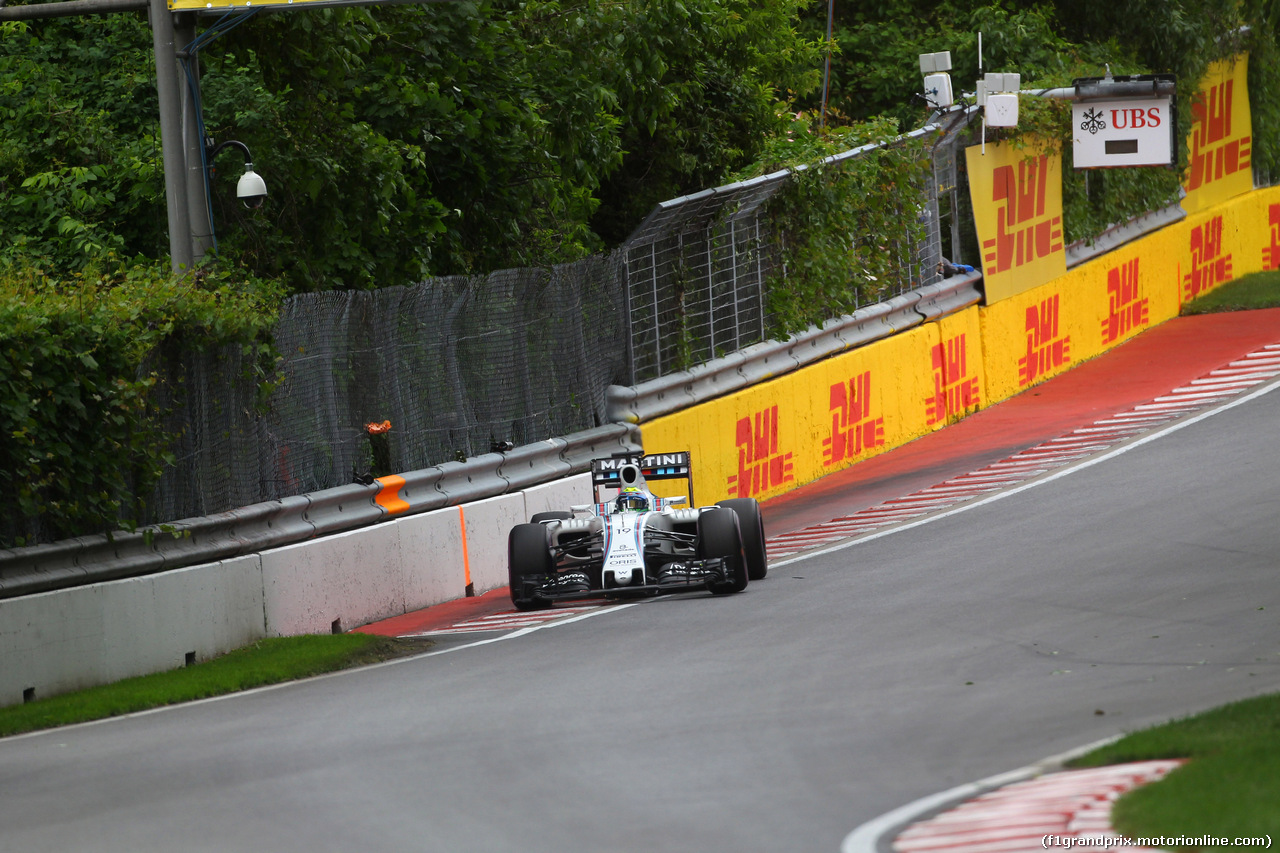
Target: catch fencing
point(456, 366)
point(696, 271)
point(462, 365)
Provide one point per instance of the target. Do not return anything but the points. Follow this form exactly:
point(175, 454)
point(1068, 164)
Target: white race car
point(635, 543)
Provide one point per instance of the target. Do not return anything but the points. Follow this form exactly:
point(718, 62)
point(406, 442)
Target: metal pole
point(711, 289)
point(626, 313)
point(197, 188)
point(167, 88)
point(826, 70)
point(760, 275)
point(657, 331)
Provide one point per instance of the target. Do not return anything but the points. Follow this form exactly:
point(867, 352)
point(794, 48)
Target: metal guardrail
point(271, 524)
point(657, 397)
point(1118, 235)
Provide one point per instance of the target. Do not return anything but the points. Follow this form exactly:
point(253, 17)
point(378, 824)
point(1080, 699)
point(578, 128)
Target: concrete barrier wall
point(487, 524)
point(55, 642)
point(333, 583)
point(432, 560)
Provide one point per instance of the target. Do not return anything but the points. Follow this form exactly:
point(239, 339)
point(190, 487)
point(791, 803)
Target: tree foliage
point(849, 225)
point(400, 141)
point(80, 441)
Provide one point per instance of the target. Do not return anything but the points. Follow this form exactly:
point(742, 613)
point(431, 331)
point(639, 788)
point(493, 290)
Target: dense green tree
point(80, 166)
point(399, 141)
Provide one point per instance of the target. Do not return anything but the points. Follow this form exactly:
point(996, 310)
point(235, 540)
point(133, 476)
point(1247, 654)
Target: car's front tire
point(720, 538)
point(551, 515)
point(751, 523)
point(528, 559)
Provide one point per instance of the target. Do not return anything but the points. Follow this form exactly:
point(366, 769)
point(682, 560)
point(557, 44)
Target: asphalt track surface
point(852, 680)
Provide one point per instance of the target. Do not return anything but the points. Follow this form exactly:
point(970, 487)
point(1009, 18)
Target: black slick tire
point(751, 523)
point(528, 556)
point(719, 537)
point(551, 515)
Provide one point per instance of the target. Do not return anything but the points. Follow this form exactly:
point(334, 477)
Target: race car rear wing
point(619, 470)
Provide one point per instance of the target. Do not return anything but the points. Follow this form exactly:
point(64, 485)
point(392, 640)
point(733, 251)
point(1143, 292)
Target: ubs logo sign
point(761, 466)
point(853, 429)
point(1215, 154)
point(1025, 231)
point(1047, 348)
point(1271, 254)
point(1210, 265)
point(954, 390)
point(1126, 306)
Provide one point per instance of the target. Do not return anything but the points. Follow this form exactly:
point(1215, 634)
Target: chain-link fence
point(459, 365)
point(696, 270)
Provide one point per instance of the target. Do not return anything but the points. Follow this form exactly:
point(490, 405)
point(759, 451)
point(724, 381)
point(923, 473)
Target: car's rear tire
point(551, 515)
point(719, 537)
point(751, 523)
point(528, 557)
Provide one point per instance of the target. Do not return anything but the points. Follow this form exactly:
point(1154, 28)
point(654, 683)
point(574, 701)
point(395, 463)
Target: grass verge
point(1230, 788)
point(1256, 290)
point(269, 661)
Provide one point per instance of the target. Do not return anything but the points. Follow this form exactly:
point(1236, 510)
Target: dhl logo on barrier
point(1215, 152)
point(1047, 350)
point(761, 466)
point(1024, 232)
point(1127, 308)
point(853, 430)
point(1221, 143)
point(1210, 265)
point(954, 390)
point(1271, 254)
point(1017, 204)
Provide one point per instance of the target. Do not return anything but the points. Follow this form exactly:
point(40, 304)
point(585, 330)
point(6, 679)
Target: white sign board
point(1128, 132)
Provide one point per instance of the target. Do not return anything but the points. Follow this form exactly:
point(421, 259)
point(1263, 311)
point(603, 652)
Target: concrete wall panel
point(431, 557)
point(351, 578)
point(561, 494)
point(71, 639)
point(488, 524)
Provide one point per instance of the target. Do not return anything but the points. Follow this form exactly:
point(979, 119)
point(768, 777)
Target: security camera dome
point(251, 189)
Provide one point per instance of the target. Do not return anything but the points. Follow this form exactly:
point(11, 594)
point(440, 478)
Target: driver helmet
point(631, 499)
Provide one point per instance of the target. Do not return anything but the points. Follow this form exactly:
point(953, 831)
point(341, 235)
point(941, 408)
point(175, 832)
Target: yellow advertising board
point(1098, 305)
point(1220, 165)
point(1017, 209)
point(768, 439)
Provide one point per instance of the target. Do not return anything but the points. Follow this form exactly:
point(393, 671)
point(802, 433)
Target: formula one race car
point(634, 542)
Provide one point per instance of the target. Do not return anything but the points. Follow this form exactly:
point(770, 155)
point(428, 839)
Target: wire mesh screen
point(455, 364)
point(210, 403)
point(695, 278)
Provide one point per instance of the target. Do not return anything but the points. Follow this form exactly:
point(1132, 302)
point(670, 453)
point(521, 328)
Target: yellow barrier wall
point(766, 440)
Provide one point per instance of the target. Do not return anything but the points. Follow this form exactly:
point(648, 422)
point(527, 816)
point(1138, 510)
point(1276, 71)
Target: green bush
point(848, 228)
point(80, 442)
